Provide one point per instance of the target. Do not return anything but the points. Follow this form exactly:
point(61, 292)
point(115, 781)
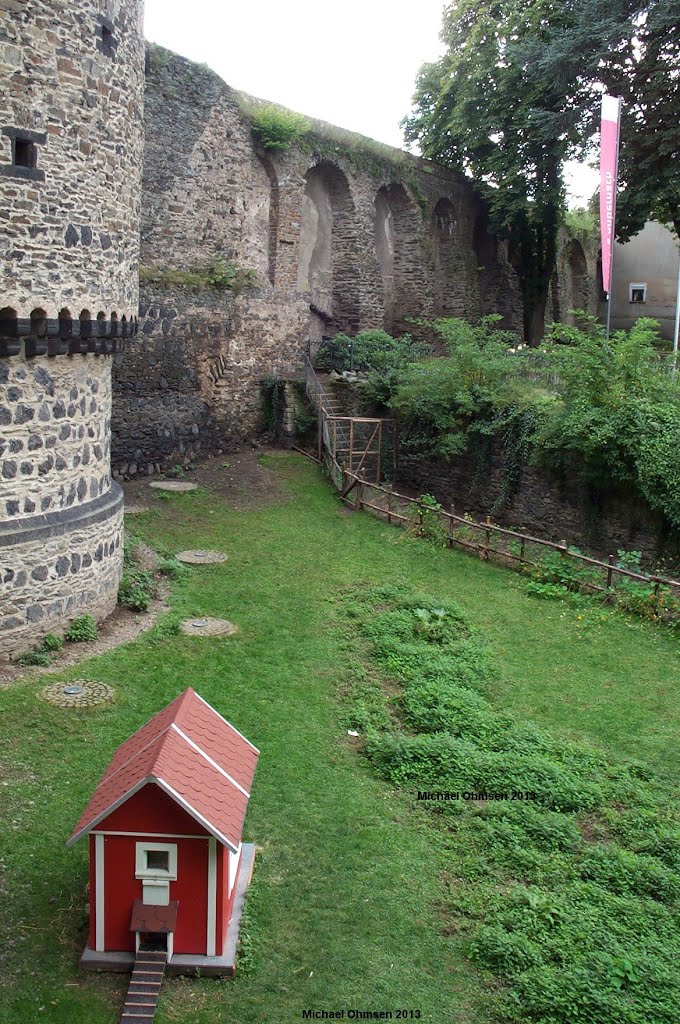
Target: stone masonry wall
point(191, 379)
point(54, 432)
point(306, 222)
point(71, 235)
point(71, 95)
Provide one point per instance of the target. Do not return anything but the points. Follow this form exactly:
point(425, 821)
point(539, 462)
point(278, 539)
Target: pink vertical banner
point(609, 152)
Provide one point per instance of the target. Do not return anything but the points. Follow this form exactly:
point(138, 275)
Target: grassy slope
point(344, 910)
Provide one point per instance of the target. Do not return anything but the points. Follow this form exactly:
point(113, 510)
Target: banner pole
point(606, 114)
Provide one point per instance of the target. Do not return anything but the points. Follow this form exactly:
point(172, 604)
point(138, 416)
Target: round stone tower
point(71, 94)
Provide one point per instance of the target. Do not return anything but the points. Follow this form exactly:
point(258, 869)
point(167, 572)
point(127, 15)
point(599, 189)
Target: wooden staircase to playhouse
point(145, 986)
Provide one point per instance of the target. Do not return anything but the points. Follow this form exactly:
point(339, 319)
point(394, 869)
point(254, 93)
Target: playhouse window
point(637, 292)
point(156, 860)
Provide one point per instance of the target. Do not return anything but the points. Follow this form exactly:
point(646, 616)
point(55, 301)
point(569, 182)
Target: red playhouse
point(167, 866)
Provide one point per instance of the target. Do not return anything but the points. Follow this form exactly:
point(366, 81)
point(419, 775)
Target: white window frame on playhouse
point(143, 871)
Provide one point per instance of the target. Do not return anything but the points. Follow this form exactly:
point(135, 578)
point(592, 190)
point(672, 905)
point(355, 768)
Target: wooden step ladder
point(144, 988)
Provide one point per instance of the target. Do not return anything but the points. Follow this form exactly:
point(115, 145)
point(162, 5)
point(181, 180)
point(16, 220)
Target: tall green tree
point(632, 50)
point(517, 93)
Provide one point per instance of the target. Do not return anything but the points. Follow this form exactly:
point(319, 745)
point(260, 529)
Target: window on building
point(106, 41)
point(637, 292)
point(24, 154)
point(156, 861)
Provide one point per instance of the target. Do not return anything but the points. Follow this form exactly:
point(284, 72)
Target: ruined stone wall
point(190, 381)
point(575, 283)
point(342, 234)
point(71, 77)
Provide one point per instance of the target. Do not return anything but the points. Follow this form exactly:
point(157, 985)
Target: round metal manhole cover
point(135, 510)
point(201, 557)
point(208, 627)
point(81, 693)
point(173, 485)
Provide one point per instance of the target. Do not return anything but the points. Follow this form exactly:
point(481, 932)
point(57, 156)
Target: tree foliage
point(629, 48)
point(517, 93)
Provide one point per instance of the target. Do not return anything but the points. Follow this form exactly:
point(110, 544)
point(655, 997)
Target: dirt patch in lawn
point(239, 478)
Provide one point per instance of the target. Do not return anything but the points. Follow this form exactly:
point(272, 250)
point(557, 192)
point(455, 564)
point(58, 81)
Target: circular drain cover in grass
point(208, 627)
point(81, 693)
point(135, 510)
point(201, 557)
point(173, 485)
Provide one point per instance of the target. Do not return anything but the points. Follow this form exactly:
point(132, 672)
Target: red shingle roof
point(193, 754)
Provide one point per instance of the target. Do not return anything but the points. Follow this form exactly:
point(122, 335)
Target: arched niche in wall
point(327, 269)
point(267, 218)
point(447, 264)
point(578, 275)
point(397, 231)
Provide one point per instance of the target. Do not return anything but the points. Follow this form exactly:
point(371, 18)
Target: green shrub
point(136, 590)
point(277, 129)
point(82, 630)
point(52, 642)
point(37, 656)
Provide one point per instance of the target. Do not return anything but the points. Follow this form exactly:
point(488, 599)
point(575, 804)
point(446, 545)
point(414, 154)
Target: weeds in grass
point(578, 930)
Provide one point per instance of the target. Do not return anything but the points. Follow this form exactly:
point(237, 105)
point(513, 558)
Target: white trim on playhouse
point(212, 898)
point(194, 814)
point(99, 890)
point(171, 792)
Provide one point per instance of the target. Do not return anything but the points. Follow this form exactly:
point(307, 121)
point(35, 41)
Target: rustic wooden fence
point(487, 540)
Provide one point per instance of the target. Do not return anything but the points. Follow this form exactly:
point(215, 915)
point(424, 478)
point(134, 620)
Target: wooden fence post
point(522, 549)
point(389, 507)
point(359, 493)
point(450, 537)
point(610, 570)
point(487, 539)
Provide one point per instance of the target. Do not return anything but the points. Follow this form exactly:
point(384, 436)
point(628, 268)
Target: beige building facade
point(645, 278)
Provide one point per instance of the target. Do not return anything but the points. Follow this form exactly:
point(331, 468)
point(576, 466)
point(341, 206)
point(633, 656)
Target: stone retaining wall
point(545, 507)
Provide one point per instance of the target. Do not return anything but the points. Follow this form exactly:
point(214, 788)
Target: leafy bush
point(37, 656)
point(223, 275)
point(426, 521)
point(379, 357)
point(277, 129)
point(82, 630)
point(52, 642)
point(136, 590)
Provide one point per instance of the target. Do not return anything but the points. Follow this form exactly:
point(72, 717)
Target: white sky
point(351, 62)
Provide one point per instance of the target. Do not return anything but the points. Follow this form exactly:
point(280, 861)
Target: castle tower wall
point(71, 93)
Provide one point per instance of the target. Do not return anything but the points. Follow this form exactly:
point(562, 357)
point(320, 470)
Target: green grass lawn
point(345, 908)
